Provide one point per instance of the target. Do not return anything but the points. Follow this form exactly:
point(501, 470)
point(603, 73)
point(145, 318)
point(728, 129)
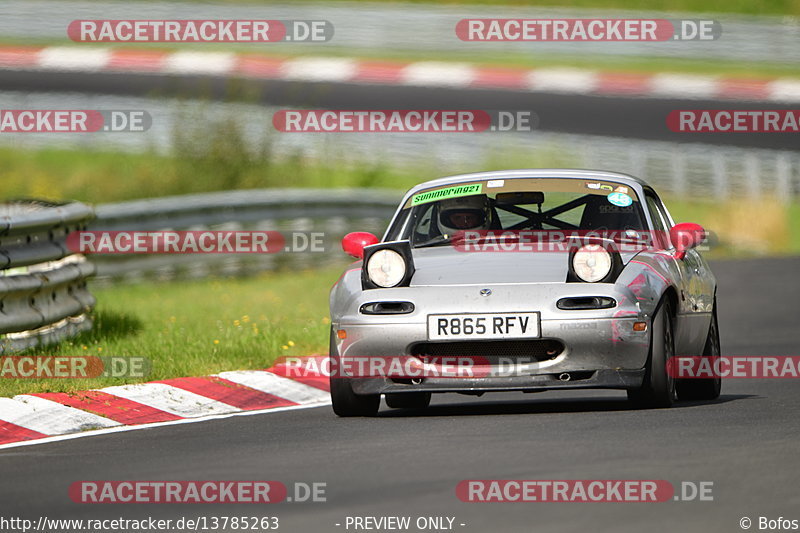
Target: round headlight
point(386, 268)
point(591, 263)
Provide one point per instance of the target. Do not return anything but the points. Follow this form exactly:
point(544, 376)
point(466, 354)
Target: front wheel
point(658, 388)
point(345, 402)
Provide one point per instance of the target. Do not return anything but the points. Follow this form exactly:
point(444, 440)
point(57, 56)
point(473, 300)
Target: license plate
point(483, 326)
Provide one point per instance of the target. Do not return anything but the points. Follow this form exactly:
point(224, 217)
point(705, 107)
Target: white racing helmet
point(465, 213)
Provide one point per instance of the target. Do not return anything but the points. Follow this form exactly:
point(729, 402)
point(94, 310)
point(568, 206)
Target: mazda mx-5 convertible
point(523, 280)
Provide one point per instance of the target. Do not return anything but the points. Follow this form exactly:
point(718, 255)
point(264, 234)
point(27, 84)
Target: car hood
point(446, 266)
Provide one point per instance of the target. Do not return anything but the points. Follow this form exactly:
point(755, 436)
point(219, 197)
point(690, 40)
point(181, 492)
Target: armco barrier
point(333, 213)
point(43, 292)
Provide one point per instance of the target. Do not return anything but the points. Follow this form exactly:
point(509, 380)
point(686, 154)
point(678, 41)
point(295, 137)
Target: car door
point(692, 315)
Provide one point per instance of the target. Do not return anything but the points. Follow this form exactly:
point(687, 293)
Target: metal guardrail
point(44, 296)
point(43, 292)
point(331, 212)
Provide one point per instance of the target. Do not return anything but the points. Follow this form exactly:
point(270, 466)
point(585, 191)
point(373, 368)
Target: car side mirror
point(354, 243)
point(686, 236)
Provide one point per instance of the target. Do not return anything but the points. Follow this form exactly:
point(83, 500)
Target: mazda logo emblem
point(486, 292)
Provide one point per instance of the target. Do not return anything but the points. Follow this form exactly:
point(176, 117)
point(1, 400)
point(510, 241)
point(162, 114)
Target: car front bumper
point(597, 353)
point(599, 379)
point(601, 349)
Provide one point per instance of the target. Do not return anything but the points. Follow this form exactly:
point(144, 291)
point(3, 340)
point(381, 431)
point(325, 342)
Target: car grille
point(491, 352)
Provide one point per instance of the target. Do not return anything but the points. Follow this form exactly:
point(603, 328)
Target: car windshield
point(433, 216)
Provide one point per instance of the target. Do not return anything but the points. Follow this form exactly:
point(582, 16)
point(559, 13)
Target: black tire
point(704, 389)
point(658, 387)
point(409, 400)
point(345, 402)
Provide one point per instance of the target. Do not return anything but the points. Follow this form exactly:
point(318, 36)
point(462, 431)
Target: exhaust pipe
point(564, 377)
point(416, 381)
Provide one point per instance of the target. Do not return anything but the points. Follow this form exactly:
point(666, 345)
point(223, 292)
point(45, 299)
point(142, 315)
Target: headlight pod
point(594, 263)
point(386, 268)
point(386, 265)
point(591, 263)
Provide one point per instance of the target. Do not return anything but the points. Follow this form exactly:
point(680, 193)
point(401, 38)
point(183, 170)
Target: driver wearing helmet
point(465, 213)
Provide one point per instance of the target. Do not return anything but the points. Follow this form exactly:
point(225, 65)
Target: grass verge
point(196, 328)
point(744, 227)
point(747, 7)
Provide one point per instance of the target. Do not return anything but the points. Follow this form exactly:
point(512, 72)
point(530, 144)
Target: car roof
point(559, 173)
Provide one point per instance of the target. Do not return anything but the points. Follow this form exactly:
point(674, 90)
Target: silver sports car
point(522, 280)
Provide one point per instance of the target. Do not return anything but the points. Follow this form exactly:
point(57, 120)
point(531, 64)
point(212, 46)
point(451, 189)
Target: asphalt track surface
point(407, 463)
point(635, 118)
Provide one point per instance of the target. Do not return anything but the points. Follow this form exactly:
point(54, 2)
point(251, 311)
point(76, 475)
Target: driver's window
point(660, 221)
point(655, 215)
point(422, 225)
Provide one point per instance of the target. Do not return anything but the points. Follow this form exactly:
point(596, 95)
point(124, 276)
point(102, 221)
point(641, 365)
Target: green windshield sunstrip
point(449, 192)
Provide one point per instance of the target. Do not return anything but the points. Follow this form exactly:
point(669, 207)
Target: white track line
point(170, 399)
point(683, 86)
point(563, 80)
point(74, 59)
point(784, 91)
point(436, 74)
point(319, 69)
point(270, 383)
point(48, 417)
point(200, 63)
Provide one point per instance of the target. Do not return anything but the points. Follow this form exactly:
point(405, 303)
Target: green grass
point(98, 177)
point(218, 162)
point(750, 7)
point(196, 328)
point(793, 214)
point(743, 227)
